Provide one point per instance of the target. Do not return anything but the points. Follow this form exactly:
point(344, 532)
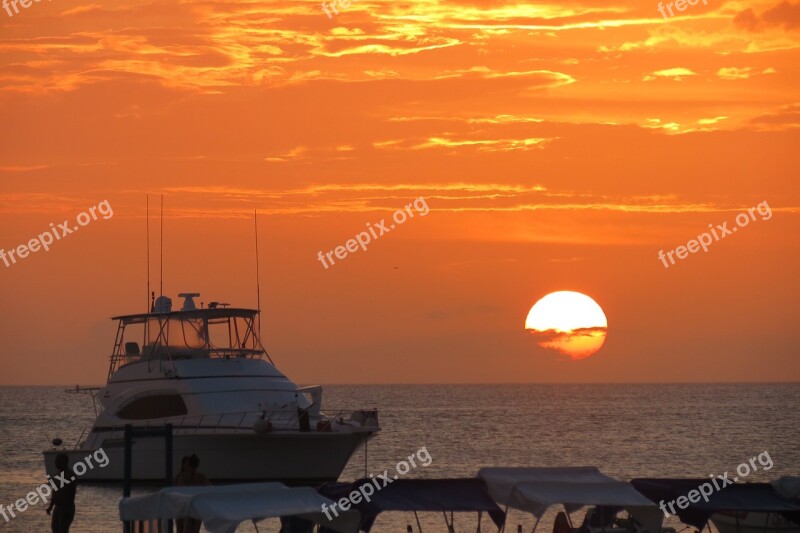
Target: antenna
point(161, 253)
point(258, 281)
point(147, 226)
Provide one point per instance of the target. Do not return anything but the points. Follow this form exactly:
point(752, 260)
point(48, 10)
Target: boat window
point(156, 406)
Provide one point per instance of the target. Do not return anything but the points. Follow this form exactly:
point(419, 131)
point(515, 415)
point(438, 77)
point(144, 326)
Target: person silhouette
point(62, 505)
point(184, 468)
point(179, 523)
point(191, 476)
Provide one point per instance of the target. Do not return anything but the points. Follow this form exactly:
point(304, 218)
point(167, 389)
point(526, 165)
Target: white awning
point(536, 489)
point(222, 508)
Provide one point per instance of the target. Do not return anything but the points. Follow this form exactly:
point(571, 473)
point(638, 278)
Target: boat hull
point(289, 457)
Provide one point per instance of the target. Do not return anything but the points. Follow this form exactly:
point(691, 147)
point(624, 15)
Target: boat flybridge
point(206, 372)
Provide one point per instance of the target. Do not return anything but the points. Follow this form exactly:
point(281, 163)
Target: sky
point(555, 146)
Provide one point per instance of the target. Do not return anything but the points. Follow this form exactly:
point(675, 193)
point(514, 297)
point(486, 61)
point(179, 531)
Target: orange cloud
point(784, 15)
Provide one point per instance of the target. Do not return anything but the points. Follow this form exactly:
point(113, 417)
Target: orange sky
point(559, 147)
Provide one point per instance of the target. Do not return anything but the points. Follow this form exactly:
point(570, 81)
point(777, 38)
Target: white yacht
point(206, 372)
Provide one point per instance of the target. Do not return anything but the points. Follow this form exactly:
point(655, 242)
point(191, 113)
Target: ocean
point(670, 430)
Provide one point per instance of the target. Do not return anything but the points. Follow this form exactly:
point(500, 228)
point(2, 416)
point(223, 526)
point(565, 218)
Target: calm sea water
point(625, 430)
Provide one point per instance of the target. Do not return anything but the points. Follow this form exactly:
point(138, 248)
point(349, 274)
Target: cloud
point(578, 343)
point(295, 153)
point(786, 117)
point(784, 15)
point(23, 168)
point(677, 74)
point(708, 121)
point(734, 73)
point(491, 145)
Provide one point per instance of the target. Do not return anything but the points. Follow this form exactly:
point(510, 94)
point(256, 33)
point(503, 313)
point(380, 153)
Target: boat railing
point(165, 354)
point(284, 419)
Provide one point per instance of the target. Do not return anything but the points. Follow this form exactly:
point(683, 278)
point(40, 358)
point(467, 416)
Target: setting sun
point(568, 322)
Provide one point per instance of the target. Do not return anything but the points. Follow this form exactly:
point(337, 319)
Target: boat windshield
point(199, 333)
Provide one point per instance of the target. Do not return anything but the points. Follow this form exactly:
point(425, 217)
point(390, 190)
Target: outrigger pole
point(258, 280)
point(161, 253)
point(147, 227)
point(258, 289)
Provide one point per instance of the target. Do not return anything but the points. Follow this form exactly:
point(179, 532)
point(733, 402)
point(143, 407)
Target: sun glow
point(568, 322)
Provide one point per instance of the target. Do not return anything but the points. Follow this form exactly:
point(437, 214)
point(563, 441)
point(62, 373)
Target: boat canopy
point(418, 495)
point(788, 487)
point(536, 489)
point(223, 508)
point(746, 497)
